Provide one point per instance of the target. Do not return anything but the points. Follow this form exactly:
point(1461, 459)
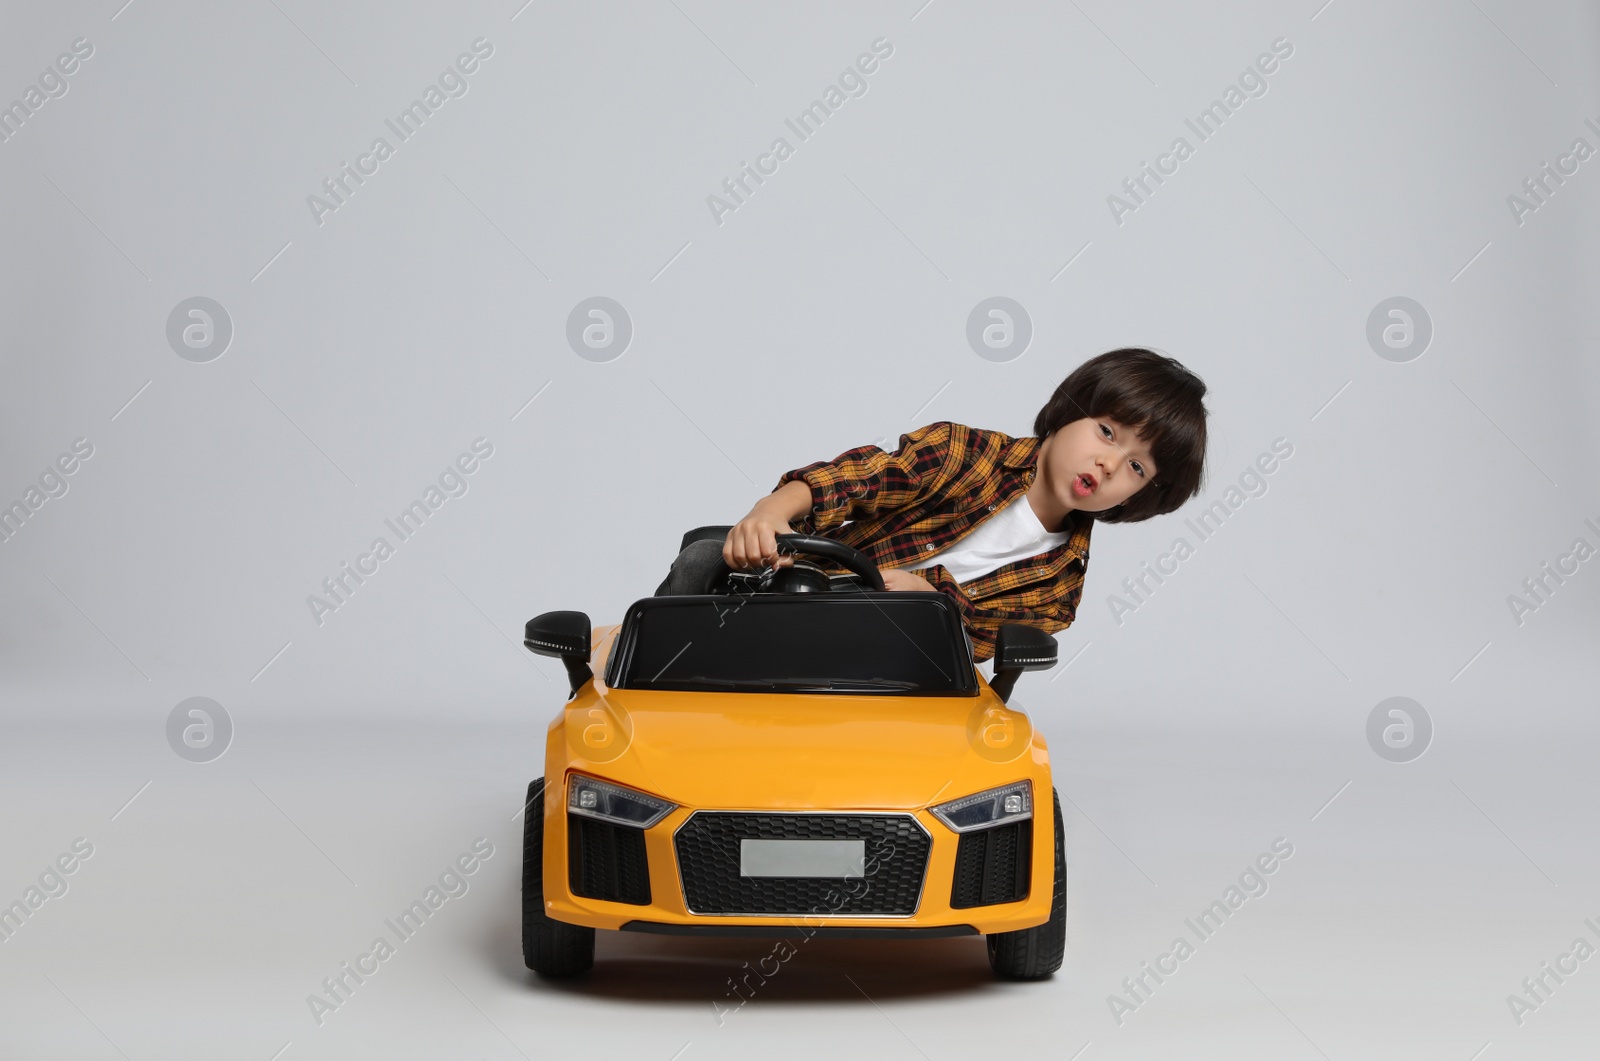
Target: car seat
point(700, 533)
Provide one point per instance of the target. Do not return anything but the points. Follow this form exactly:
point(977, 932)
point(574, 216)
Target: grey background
point(828, 311)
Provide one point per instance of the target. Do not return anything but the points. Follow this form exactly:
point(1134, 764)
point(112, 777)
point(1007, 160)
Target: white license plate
point(802, 858)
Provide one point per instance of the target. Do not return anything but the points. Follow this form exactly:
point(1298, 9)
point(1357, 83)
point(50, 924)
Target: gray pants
point(698, 569)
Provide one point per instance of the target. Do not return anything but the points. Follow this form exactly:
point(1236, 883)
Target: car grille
point(606, 861)
point(992, 865)
point(896, 849)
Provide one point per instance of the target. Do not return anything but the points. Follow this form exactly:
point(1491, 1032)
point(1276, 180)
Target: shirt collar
point(1021, 452)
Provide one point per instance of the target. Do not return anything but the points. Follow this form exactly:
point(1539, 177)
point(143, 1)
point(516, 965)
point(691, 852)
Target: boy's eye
point(1136, 465)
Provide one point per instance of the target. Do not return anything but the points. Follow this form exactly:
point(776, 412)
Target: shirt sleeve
point(866, 481)
point(983, 621)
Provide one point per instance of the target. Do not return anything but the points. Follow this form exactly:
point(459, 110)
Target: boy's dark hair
point(1159, 399)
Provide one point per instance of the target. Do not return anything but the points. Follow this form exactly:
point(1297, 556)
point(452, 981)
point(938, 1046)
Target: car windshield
point(891, 644)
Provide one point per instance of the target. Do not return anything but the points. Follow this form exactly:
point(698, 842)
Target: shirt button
point(930, 547)
point(991, 508)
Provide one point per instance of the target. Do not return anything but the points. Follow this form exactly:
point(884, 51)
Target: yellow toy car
point(804, 755)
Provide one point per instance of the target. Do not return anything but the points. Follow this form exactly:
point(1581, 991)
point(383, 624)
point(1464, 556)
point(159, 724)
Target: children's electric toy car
point(802, 755)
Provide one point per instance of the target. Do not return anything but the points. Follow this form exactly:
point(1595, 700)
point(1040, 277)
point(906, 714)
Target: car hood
point(807, 750)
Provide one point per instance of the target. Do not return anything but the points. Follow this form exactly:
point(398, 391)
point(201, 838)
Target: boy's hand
point(753, 541)
point(901, 581)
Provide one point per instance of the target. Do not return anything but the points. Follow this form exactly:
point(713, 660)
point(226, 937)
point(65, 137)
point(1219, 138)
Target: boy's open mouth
point(1084, 485)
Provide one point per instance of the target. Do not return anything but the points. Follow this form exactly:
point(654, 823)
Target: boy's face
point(1094, 463)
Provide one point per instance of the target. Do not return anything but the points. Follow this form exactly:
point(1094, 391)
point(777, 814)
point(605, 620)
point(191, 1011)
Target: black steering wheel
point(815, 545)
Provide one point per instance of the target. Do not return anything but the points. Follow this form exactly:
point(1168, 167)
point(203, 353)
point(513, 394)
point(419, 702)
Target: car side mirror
point(1020, 648)
point(565, 635)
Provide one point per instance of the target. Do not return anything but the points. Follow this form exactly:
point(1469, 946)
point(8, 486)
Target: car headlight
point(996, 806)
point(613, 803)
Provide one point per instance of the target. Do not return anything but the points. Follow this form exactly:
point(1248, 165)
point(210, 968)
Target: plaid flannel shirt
point(943, 481)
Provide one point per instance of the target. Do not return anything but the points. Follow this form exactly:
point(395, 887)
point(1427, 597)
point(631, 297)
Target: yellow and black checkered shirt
point(943, 481)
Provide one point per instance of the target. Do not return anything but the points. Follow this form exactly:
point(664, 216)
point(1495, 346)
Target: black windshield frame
point(858, 640)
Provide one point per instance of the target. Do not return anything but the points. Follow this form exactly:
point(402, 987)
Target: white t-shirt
point(1011, 534)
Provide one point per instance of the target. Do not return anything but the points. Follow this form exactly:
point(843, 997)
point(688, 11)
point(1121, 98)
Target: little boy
point(999, 524)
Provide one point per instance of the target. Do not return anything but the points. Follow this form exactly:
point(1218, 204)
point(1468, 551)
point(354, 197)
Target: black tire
point(549, 947)
point(1036, 953)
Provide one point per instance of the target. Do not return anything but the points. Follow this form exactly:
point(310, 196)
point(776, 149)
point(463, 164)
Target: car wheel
point(549, 947)
point(1035, 953)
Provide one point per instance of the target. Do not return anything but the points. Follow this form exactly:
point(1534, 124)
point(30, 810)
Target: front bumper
point(802, 931)
point(914, 885)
